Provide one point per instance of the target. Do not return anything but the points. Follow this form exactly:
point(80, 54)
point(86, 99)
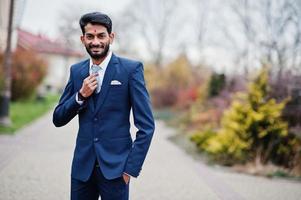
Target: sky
point(41, 16)
point(218, 50)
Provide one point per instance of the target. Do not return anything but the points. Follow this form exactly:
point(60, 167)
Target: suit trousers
point(98, 186)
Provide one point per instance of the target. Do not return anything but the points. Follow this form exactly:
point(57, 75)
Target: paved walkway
point(35, 165)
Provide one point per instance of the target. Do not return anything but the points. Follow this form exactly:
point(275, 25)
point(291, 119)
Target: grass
point(165, 114)
point(24, 112)
point(283, 174)
point(279, 173)
point(171, 117)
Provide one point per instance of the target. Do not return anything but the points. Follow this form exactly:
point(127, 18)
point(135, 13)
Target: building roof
point(42, 44)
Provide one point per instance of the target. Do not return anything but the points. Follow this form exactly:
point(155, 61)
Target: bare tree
point(295, 8)
point(282, 37)
point(197, 13)
point(68, 26)
point(151, 23)
point(266, 31)
point(125, 37)
point(245, 33)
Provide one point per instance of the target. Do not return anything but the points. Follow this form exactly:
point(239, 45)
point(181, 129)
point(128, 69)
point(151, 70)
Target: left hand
point(126, 178)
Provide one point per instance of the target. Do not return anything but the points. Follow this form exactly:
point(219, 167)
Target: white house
point(58, 57)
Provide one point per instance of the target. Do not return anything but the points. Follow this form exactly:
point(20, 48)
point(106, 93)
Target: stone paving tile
point(35, 165)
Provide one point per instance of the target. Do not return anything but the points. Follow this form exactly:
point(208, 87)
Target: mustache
point(96, 46)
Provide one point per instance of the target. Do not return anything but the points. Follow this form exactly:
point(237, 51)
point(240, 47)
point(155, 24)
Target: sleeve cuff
point(128, 174)
point(77, 100)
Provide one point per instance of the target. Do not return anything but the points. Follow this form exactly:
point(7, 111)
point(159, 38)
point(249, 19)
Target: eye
point(101, 36)
point(89, 36)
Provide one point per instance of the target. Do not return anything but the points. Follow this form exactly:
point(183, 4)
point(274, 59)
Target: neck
point(98, 61)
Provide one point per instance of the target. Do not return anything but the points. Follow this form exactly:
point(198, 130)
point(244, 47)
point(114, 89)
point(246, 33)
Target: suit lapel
point(108, 76)
point(84, 74)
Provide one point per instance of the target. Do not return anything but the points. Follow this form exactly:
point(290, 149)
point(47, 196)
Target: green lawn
point(165, 114)
point(24, 112)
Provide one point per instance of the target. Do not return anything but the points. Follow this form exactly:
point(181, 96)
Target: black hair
point(96, 18)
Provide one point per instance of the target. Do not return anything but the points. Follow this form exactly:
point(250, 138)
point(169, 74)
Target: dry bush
point(28, 71)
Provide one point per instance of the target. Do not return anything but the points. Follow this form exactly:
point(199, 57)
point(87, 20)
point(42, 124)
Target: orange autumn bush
point(28, 71)
point(176, 84)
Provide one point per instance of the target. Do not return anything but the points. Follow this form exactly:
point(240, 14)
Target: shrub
point(187, 96)
point(176, 84)
point(216, 84)
point(28, 72)
point(205, 111)
point(201, 138)
point(163, 97)
point(250, 128)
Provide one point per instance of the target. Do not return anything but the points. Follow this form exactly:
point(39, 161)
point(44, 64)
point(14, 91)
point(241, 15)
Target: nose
point(96, 41)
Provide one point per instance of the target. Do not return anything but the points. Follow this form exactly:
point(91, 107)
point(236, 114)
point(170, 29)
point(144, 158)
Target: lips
point(96, 50)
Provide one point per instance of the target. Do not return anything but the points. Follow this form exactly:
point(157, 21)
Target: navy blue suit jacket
point(104, 126)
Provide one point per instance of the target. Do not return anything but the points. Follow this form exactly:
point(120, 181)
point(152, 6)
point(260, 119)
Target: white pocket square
point(115, 82)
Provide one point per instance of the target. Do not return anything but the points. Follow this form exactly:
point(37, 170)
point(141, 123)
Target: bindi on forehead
point(95, 31)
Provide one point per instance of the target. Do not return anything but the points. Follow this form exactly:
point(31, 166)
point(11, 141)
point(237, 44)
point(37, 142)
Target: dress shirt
point(103, 65)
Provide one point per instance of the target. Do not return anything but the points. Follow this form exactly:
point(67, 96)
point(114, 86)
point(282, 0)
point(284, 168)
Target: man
point(102, 90)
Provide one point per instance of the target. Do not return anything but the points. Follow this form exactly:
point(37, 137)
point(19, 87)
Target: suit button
point(95, 139)
point(95, 119)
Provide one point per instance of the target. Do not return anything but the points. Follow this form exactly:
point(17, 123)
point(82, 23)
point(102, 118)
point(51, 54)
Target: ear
point(112, 36)
point(82, 38)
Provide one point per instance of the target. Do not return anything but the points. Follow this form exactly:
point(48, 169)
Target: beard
point(100, 54)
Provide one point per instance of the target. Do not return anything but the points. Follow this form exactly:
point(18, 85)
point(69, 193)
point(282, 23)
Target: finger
point(91, 77)
point(93, 84)
point(93, 88)
point(91, 80)
point(87, 80)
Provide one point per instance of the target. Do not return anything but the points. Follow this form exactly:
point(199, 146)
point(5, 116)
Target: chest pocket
point(117, 92)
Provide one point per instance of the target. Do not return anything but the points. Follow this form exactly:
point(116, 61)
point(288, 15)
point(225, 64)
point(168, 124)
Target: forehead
point(95, 28)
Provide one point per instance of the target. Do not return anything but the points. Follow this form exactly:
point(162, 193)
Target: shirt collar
point(104, 63)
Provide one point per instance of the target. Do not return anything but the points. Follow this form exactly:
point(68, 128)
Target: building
point(4, 16)
point(58, 57)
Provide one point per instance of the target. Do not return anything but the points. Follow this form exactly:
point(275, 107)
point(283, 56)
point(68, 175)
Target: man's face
point(97, 41)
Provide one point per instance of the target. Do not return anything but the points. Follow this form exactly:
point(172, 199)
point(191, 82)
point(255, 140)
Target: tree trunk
point(6, 93)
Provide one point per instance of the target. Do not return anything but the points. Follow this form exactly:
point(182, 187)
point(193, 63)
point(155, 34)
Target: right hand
point(89, 85)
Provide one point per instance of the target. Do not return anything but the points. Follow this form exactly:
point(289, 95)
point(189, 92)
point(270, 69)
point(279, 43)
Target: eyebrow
point(101, 33)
